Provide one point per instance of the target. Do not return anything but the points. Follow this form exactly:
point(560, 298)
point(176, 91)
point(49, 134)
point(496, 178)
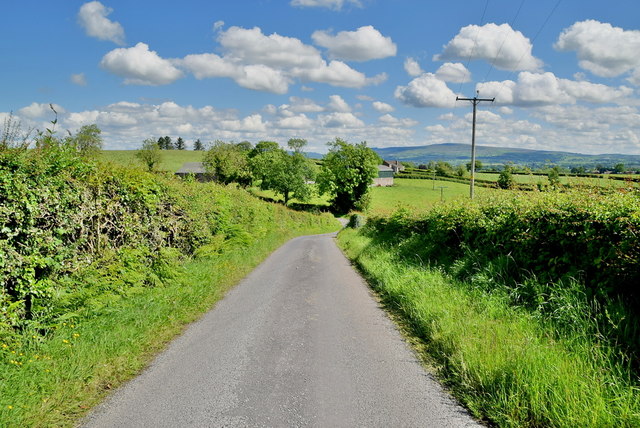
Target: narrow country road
point(299, 342)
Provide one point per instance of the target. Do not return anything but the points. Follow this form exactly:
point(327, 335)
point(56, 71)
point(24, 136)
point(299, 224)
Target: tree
point(347, 172)
point(149, 154)
point(228, 163)
point(554, 176)
point(461, 171)
point(264, 146)
point(165, 143)
point(505, 179)
point(245, 146)
point(88, 140)
point(443, 169)
point(478, 165)
point(286, 174)
point(180, 144)
point(197, 145)
point(619, 168)
point(296, 144)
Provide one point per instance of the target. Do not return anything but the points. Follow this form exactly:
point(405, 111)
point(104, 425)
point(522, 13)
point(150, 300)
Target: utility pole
point(475, 101)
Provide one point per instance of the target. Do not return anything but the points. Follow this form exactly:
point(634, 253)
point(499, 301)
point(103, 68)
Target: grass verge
point(54, 381)
point(500, 361)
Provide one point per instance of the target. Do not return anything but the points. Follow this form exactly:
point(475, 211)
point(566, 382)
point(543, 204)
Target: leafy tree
point(180, 144)
point(578, 170)
point(478, 165)
point(197, 145)
point(88, 140)
point(347, 172)
point(165, 143)
point(296, 144)
point(443, 169)
point(264, 146)
point(505, 179)
point(149, 154)
point(461, 171)
point(554, 176)
point(619, 168)
point(228, 163)
point(245, 146)
point(286, 174)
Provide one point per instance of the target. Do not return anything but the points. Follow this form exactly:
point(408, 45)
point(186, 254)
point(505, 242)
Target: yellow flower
point(65, 341)
point(76, 335)
point(4, 345)
point(9, 407)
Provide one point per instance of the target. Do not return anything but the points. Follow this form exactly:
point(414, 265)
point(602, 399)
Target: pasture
point(171, 161)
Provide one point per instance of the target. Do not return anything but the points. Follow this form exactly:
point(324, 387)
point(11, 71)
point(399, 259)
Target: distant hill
point(498, 156)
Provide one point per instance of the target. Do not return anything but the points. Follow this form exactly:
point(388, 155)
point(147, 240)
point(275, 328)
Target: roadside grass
point(172, 160)
point(507, 366)
point(54, 380)
point(417, 194)
point(320, 201)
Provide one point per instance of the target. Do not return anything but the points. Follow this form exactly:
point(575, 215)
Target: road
point(299, 342)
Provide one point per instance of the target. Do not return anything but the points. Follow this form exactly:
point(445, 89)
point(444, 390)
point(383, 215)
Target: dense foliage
point(347, 173)
point(528, 240)
point(75, 233)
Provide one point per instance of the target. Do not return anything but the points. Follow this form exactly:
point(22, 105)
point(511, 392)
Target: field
point(605, 180)
point(418, 194)
point(172, 160)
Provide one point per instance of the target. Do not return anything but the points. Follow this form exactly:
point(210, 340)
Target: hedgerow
point(524, 241)
point(77, 234)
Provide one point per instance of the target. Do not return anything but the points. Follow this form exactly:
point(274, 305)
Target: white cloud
point(217, 25)
point(79, 79)
point(263, 78)
point(412, 67)
point(602, 49)
point(364, 44)
point(340, 120)
point(251, 124)
point(534, 89)
point(507, 48)
point(140, 66)
point(93, 18)
point(40, 110)
point(295, 122)
point(337, 73)
point(453, 72)
point(209, 65)
point(394, 121)
point(304, 105)
point(330, 4)
point(382, 107)
point(337, 103)
point(426, 91)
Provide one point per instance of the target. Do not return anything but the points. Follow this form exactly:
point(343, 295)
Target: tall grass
point(505, 363)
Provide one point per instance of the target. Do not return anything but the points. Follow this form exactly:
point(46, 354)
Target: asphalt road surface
point(299, 342)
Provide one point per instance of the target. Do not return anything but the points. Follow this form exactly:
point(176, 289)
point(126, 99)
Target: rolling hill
point(498, 156)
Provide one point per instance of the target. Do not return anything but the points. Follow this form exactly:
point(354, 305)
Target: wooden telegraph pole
point(475, 100)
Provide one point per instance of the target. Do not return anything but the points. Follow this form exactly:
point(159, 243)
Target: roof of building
point(384, 168)
point(192, 168)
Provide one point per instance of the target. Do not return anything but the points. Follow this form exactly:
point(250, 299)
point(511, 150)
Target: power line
point(475, 40)
point(555, 7)
point(513, 21)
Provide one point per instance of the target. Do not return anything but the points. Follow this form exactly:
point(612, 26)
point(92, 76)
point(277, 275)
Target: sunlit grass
point(418, 194)
point(172, 160)
point(500, 361)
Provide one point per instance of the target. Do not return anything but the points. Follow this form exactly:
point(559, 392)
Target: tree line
point(345, 174)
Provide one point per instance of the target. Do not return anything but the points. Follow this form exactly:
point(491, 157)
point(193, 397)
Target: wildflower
point(76, 335)
point(65, 341)
point(9, 407)
point(4, 345)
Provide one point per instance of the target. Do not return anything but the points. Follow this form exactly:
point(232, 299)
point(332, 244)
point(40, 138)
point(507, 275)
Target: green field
point(418, 194)
point(172, 160)
point(604, 180)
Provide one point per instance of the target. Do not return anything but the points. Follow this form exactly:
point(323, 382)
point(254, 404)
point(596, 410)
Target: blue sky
point(565, 74)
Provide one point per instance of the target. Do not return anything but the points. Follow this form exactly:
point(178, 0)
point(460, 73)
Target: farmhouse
point(385, 176)
point(196, 169)
point(395, 165)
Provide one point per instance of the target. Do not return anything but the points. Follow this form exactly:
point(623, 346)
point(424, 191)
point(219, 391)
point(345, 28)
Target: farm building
point(196, 169)
point(395, 165)
point(385, 176)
